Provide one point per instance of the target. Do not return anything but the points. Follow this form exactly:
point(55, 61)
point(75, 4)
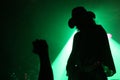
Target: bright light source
point(109, 35)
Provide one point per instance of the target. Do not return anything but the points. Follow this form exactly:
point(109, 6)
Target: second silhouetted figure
point(40, 47)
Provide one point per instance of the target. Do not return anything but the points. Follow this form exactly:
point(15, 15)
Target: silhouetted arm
point(106, 55)
point(40, 47)
point(71, 63)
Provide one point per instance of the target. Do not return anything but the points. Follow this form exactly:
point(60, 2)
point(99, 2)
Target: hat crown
point(78, 11)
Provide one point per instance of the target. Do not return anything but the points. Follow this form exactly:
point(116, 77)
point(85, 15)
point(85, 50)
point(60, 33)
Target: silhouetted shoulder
point(101, 29)
point(77, 36)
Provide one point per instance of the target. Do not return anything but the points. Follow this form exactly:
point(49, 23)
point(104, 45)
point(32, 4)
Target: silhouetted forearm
point(45, 68)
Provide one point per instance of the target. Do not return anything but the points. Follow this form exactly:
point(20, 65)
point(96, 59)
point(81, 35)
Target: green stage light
point(115, 49)
point(59, 64)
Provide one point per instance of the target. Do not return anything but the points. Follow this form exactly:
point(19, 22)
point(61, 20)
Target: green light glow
point(59, 64)
point(115, 49)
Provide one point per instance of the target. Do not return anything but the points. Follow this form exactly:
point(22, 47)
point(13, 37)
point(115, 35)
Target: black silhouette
point(91, 57)
point(40, 47)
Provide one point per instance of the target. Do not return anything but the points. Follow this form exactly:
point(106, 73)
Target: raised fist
point(40, 46)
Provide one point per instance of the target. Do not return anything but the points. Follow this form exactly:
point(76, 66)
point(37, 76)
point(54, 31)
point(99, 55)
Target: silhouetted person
point(40, 47)
point(90, 58)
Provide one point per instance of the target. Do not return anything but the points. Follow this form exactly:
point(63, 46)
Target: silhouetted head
point(81, 17)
